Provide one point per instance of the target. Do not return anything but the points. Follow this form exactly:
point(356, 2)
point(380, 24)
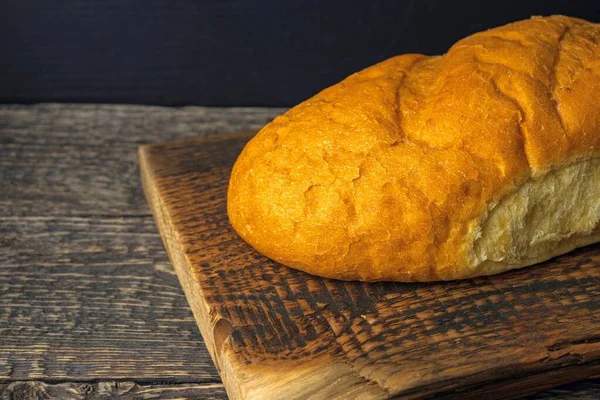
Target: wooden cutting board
point(277, 333)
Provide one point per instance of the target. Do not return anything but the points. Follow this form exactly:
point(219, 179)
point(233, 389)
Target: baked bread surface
point(424, 168)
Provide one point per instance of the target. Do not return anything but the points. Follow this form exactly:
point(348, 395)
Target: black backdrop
point(225, 52)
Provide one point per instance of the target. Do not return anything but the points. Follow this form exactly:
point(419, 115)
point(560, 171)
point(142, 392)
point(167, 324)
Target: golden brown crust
point(383, 176)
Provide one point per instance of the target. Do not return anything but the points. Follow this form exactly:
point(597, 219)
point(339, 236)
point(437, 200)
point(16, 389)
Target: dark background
point(225, 53)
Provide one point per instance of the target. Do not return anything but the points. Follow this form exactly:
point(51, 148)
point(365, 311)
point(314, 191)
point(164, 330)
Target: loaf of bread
point(433, 168)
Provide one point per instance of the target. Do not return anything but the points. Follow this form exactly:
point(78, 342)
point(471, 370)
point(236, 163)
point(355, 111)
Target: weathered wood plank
point(86, 289)
point(275, 332)
point(81, 159)
point(93, 298)
point(585, 390)
point(124, 390)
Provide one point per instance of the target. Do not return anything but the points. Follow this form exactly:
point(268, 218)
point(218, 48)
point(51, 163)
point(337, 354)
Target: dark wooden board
point(102, 390)
point(128, 390)
point(274, 332)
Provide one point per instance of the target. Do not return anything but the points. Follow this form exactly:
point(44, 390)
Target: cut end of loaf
point(547, 216)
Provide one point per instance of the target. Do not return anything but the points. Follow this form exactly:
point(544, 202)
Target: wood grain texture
point(274, 332)
point(585, 390)
point(86, 289)
point(124, 390)
point(93, 298)
point(81, 159)
point(27, 390)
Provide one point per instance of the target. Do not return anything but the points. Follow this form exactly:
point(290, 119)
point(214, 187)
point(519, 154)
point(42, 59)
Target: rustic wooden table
point(90, 306)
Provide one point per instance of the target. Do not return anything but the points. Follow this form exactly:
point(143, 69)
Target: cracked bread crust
point(389, 174)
